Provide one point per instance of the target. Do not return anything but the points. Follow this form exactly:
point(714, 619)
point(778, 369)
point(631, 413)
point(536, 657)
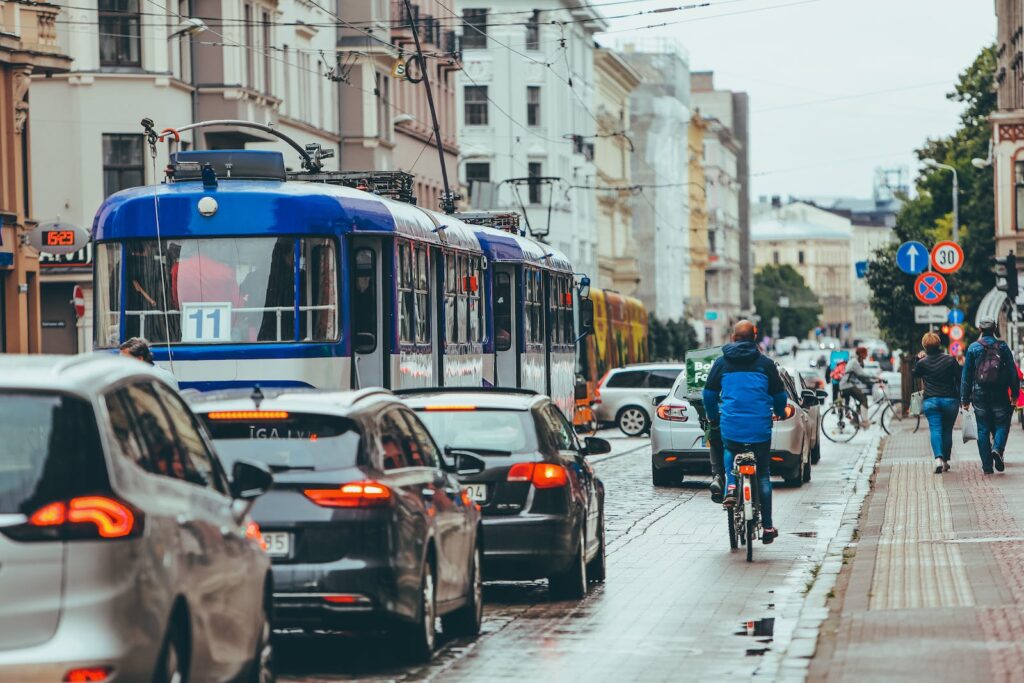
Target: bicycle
point(841, 422)
point(744, 516)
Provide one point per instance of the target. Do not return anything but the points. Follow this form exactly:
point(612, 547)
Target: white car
point(678, 444)
point(623, 396)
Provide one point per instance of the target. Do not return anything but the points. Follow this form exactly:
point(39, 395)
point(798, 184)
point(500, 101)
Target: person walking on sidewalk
point(990, 383)
point(941, 375)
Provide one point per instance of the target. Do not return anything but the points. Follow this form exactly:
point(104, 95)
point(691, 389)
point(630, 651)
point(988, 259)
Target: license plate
point(478, 492)
point(278, 543)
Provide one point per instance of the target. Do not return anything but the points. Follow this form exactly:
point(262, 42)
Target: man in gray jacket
point(855, 381)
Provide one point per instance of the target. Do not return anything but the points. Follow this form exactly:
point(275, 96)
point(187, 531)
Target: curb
point(811, 609)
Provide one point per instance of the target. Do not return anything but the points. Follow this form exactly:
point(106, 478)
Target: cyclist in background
point(742, 391)
point(855, 381)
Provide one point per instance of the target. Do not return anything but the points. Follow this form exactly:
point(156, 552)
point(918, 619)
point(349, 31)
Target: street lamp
point(956, 195)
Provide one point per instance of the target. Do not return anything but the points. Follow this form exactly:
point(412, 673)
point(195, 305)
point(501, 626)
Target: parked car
point(786, 346)
point(678, 444)
point(366, 526)
point(624, 395)
point(794, 435)
point(125, 552)
point(811, 381)
point(829, 343)
point(543, 506)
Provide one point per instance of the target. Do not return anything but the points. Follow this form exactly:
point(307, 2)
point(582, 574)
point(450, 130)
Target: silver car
point(795, 434)
point(125, 553)
point(624, 395)
point(678, 445)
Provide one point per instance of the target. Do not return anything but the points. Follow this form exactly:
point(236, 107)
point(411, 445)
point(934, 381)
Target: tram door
point(506, 341)
point(369, 341)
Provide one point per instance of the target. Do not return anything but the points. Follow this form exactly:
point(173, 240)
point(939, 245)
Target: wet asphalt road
point(675, 605)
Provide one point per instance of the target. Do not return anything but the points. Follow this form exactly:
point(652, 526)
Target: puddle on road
point(757, 651)
point(804, 534)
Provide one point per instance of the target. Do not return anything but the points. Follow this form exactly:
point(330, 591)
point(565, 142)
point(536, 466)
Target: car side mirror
point(822, 396)
point(250, 480)
point(586, 316)
point(596, 446)
point(808, 398)
point(656, 401)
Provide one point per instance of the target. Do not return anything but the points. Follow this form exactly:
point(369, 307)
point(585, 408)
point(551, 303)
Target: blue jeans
point(762, 452)
point(941, 414)
point(993, 416)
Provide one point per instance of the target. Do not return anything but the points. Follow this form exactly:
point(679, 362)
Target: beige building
point(28, 45)
point(698, 201)
point(817, 243)
point(385, 118)
point(617, 263)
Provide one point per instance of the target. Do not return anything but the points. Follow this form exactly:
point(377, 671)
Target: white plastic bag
point(970, 426)
point(917, 403)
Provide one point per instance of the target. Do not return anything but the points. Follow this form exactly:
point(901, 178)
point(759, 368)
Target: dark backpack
point(989, 372)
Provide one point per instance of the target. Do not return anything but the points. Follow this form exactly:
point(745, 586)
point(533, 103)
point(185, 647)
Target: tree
point(774, 285)
point(669, 341)
point(928, 216)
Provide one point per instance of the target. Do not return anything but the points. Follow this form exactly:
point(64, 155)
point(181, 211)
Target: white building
point(260, 62)
point(526, 89)
point(659, 125)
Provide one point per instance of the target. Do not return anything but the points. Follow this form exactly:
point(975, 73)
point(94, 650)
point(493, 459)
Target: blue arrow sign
point(956, 316)
point(912, 258)
point(862, 269)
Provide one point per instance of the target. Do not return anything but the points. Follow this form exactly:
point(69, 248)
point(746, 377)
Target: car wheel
point(262, 668)
point(795, 478)
point(633, 421)
point(816, 453)
point(572, 583)
point(665, 477)
point(466, 620)
point(423, 634)
point(596, 568)
point(173, 664)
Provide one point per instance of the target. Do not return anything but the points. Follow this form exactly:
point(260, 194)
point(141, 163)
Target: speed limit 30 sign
point(947, 257)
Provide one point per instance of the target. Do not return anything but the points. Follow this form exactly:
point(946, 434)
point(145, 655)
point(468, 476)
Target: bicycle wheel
point(895, 419)
point(839, 424)
point(733, 540)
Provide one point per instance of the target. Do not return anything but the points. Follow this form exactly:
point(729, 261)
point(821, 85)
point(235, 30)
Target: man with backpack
point(990, 382)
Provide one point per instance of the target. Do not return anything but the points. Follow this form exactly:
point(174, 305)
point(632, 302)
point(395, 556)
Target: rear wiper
point(274, 469)
point(455, 450)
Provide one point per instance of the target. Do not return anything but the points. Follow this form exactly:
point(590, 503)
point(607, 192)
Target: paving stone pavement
point(674, 607)
point(935, 590)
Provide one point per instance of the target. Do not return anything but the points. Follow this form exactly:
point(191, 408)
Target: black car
point(542, 504)
point(366, 526)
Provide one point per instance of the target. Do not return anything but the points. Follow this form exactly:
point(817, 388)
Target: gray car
point(624, 395)
point(125, 553)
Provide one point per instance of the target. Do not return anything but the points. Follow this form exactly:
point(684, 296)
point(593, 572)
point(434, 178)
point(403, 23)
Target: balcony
point(28, 36)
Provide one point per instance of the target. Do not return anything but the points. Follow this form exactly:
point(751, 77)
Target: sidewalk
point(934, 589)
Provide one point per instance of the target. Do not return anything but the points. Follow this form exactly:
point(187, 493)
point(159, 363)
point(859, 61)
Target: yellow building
point(617, 266)
point(698, 199)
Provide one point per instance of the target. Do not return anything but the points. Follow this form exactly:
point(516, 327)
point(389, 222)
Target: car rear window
point(626, 380)
point(51, 451)
point(486, 432)
point(292, 441)
point(663, 379)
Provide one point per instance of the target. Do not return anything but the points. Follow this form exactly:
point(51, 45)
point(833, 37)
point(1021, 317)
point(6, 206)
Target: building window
point(268, 67)
point(775, 257)
point(476, 105)
point(474, 29)
point(120, 37)
point(122, 162)
point(534, 170)
point(533, 31)
point(800, 257)
point(533, 105)
point(250, 66)
point(384, 128)
point(477, 172)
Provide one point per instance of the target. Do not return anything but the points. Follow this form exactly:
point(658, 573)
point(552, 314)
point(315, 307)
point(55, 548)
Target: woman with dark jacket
point(941, 375)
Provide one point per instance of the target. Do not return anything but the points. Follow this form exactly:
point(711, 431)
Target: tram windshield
point(223, 290)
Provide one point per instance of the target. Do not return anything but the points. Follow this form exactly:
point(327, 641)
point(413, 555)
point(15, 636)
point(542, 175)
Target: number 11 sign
point(204, 322)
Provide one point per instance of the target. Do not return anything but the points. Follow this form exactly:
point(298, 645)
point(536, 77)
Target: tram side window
point(473, 293)
point(502, 312)
point(534, 307)
point(463, 302)
point(554, 329)
point(567, 319)
point(319, 276)
point(364, 301)
point(422, 296)
point(450, 293)
point(413, 293)
point(406, 302)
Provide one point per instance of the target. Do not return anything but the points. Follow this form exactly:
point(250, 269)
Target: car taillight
point(89, 674)
point(543, 475)
point(252, 532)
point(84, 517)
point(357, 494)
point(789, 412)
point(672, 413)
point(597, 389)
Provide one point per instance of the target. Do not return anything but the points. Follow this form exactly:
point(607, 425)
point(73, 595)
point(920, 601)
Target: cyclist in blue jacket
point(742, 392)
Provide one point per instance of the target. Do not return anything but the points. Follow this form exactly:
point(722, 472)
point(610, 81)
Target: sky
point(891, 61)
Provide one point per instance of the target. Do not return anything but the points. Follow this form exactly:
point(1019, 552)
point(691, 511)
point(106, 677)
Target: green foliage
point(773, 282)
point(928, 217)
point(670, 340)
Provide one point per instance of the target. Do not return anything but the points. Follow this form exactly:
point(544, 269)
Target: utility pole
point(447, 199)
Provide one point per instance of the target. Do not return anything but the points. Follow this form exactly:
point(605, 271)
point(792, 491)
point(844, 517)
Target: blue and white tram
point(238, 275)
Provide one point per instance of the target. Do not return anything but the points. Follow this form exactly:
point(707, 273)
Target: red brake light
point(543, 475)
point(109, 517)
point(252, 532)
point(357, 494)
point(247, 415)
point(672, 413)
point(53, 514)
point(789, 412)
point(91, 674)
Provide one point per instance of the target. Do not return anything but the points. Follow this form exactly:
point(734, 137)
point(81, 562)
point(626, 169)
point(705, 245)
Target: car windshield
point(289, 441)
point(487, 432)
point(51, 449)
point(207, 291)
